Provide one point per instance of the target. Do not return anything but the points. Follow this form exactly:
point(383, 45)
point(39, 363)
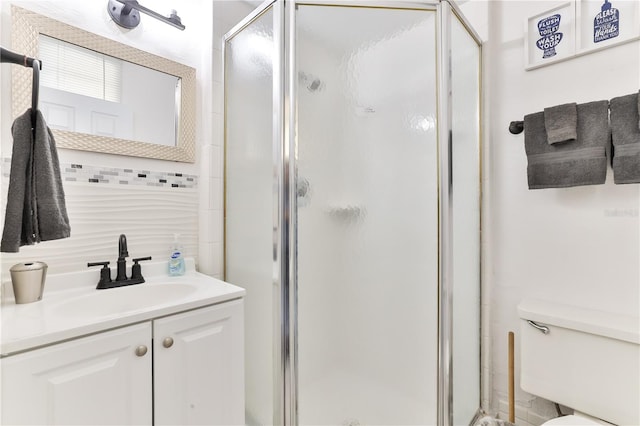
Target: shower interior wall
point(348, 355)
point(318, 349)
point(349, 349)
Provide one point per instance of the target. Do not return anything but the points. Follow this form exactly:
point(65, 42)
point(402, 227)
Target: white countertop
point(72, 307)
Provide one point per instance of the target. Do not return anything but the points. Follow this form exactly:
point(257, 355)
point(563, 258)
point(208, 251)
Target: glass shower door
point(465, 175)
point(367, 215)
point(249, 201)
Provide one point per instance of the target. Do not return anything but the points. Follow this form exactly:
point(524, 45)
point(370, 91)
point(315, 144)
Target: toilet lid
point(572, 421)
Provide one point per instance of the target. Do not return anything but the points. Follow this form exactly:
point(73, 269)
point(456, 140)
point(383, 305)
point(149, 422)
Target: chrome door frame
point(447, 11)
point(445, 219)
point(285, 282)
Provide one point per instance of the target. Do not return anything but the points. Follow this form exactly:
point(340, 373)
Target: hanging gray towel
point(575, 163)
point(561, 123)
point(36, 209)
point(626, 138)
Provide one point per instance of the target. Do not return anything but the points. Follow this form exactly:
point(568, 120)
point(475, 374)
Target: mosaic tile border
point(86, 173)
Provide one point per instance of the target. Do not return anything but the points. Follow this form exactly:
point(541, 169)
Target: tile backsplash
point(111, 175)
point(104, 202)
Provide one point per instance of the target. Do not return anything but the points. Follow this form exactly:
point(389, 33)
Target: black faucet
point(121, 276)
point(123, 253)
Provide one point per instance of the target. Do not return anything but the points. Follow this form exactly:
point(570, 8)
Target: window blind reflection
point(78, 70)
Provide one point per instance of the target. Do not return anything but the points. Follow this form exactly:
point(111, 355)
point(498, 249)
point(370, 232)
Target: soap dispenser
point(176, 259)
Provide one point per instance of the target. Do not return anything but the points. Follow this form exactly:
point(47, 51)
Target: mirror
point(110, 111)
point(88, 92)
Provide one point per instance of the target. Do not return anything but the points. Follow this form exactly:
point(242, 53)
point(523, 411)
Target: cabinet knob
point(141, 350)
point(167, 342)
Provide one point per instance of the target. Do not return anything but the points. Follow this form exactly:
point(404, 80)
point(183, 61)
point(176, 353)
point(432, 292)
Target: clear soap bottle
point(176, 258)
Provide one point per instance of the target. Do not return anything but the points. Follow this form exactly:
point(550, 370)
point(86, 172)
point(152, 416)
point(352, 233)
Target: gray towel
point(561, 123)
point(638, 109)
point(36, 209)
point(626, 138)
point(579, 162)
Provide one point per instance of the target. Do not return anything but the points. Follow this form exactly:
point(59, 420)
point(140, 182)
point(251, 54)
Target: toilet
point(585, 359)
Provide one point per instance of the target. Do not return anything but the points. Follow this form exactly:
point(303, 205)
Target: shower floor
point(341, 397)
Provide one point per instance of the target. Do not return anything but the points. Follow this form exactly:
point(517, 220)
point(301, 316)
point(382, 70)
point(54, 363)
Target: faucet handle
point(105, 272)
point(136, 270)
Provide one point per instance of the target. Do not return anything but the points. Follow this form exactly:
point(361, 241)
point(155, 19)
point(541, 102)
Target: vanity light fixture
point(125, 13)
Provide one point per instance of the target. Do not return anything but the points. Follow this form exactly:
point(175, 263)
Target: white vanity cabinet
point(186, 366)
point(199, 367)
point(92, 380)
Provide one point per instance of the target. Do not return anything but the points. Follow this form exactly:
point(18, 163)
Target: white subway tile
point(204, 189)
point(215, 202)
point(522, 422)
point(217, 63)
point(206, 264)
point(205, 160)
point(217, 255)
point(520, 411)
point(218, 25)
point(204, 232)
point(536, 419)
point(218, 129)
point(218, 98)
point(487, 382)
point(217, 226)
point(503, 406)
point(216, 160)
point(211, 224)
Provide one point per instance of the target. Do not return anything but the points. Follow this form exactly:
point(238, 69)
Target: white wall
point(577, 246)
point(191, 47)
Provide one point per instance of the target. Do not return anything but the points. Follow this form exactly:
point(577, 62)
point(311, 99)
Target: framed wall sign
point(550, 36)
point(605, 23)
point(579, 27)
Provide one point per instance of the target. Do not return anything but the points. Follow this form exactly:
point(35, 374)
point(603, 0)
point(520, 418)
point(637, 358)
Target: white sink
point(72, 307)
point(116, 301)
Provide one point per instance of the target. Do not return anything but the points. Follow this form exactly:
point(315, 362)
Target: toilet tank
point(588, 360)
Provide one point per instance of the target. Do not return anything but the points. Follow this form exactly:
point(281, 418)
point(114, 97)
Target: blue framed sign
point(579, 27)
point(550, 36)
point(606, 23)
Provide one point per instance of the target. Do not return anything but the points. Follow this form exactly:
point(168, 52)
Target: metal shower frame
point(284, 129)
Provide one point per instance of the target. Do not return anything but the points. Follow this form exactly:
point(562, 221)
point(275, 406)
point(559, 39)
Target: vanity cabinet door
point(199, 366)
point(100, 379)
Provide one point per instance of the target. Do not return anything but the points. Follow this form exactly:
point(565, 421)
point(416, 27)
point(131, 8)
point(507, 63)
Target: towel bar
point(516, 127)
point(15, 58)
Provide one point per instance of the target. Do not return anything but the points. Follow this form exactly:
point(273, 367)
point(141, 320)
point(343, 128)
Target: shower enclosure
point(352, 211)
